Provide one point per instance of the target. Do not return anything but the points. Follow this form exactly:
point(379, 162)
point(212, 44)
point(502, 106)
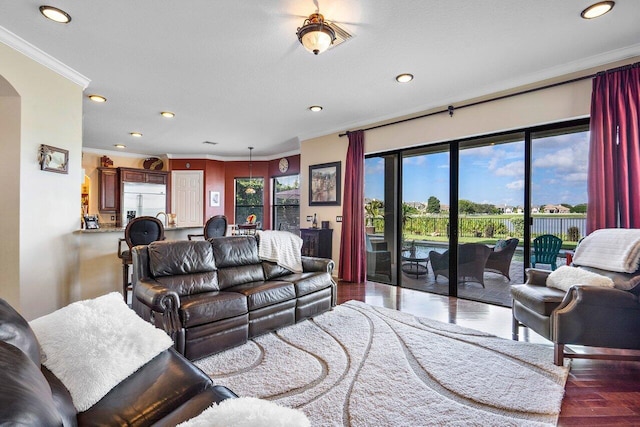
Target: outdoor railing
point(567, 227)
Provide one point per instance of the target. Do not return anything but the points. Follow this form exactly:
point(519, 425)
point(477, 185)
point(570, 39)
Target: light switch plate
point(338, 219)
point(309, 218)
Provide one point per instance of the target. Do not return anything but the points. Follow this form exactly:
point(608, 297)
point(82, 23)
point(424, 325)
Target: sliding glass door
point(491, 183)
point(424, 217)
point(470, 210)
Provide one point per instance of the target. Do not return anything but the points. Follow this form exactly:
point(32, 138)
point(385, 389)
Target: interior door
point(187, 193)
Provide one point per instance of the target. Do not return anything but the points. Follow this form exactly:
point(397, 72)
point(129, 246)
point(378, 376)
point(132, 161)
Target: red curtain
point(352, 266)
point(614, 151)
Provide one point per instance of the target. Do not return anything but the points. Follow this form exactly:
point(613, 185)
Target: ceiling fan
point(317, 35)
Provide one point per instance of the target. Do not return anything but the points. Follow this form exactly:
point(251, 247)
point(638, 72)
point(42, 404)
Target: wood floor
point(598, 392)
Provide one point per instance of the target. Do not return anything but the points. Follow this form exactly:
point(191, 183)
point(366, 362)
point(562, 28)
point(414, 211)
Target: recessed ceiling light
point(598, 9)
point(55, 14)
point(404, 78)
point(168, 114)
point(315, 108)
point(136, 134)
point(119, 145)
point(97, 98)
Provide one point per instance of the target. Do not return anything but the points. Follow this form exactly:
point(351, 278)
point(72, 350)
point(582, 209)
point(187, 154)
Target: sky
point(495, 173)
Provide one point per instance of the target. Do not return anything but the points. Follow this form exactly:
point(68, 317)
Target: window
point(286, 203)
point(249, 199)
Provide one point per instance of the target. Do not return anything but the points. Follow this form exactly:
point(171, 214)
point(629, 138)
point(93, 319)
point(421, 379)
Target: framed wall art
point(214, 198)
point(324, 184)
point(53, 159)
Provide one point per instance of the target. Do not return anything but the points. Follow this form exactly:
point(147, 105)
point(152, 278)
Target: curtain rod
point(450, 109)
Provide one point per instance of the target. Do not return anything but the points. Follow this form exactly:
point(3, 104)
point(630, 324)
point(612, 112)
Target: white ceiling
point(234, 72)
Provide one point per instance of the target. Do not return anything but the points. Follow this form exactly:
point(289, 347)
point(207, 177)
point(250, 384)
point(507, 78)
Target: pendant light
point(250, 189)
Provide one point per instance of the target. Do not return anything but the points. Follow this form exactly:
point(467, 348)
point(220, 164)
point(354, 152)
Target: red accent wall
point(220, 176)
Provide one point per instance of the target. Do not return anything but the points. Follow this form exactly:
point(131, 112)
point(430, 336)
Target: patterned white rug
point(360, 365)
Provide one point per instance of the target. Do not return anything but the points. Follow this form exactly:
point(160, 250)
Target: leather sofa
point(164, 392)
point(216, 294)
point(585, 315)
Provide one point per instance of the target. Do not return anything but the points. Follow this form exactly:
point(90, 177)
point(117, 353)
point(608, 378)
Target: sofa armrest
point(317, 264)
point(537, 277)
point(160, 300)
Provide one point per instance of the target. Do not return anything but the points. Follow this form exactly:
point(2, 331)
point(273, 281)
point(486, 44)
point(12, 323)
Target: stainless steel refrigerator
point(141, 199)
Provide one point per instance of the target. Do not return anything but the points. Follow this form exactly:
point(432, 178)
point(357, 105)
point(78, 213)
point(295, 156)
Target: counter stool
point(139, 231)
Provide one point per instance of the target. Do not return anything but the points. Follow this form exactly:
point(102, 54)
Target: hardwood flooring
point(597, 393)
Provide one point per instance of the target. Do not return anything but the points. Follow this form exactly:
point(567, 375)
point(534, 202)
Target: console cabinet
point(317, 242)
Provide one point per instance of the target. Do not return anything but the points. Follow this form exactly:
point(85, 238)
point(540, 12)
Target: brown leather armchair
point(585, 315)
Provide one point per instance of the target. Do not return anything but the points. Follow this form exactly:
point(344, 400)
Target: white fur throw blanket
point(282, 247)
point(613, 249)
point(248, 412)
point(92, 345)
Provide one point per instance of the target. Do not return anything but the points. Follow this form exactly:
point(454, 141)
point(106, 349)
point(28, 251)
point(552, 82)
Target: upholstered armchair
point(585, 315)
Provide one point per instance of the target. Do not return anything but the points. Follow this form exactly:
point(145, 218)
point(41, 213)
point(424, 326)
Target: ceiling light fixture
point(136, 134)
point(97, 98)
point(315, 108)
point(55, 14)
point(250, 189)
point(168, 114)
point(119, 145)
point(598, 9)
point(404, 78)
point(315, 35)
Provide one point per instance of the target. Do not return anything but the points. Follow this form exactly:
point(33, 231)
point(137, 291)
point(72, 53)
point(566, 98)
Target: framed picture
point(214, 198)
point(53, 159)
point(324, 184)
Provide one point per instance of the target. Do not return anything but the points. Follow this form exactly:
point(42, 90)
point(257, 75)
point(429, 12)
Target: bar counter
point(99, 268)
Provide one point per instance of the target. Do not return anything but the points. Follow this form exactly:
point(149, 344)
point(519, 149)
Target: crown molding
point(43, 58)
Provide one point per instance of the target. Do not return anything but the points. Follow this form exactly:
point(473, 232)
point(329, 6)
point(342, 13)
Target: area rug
point(360, 365)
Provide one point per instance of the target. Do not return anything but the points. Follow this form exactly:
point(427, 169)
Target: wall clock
point(283, 165)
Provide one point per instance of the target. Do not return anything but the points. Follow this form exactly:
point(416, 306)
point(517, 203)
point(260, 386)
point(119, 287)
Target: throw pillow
point(92, 345)
point(500, 245)
point(565, 277)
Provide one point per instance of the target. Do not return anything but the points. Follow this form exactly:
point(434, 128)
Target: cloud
point(511, 169)
point(516, 185)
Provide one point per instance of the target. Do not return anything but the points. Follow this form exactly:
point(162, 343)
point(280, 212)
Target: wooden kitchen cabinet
point(108, 187)
point(143, 175)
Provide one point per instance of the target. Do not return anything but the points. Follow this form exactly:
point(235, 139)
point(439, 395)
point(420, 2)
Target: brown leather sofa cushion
point(306, 283)
point(540, 299)
point(168, 258)
point(266, 293)
point(15, 330)
point(24, 391)
point(190, 284)
point(210, 307)
point(273, 270)
point(235, 251)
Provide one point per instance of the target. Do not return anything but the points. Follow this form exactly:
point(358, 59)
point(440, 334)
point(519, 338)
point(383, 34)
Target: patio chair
point(499, 260)
point(545, 250)
point(472, 258)
point(379, 260)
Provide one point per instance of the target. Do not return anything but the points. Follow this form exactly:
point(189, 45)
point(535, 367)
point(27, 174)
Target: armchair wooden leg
point(558, 354)
point(125, 280)
point(515, 326)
